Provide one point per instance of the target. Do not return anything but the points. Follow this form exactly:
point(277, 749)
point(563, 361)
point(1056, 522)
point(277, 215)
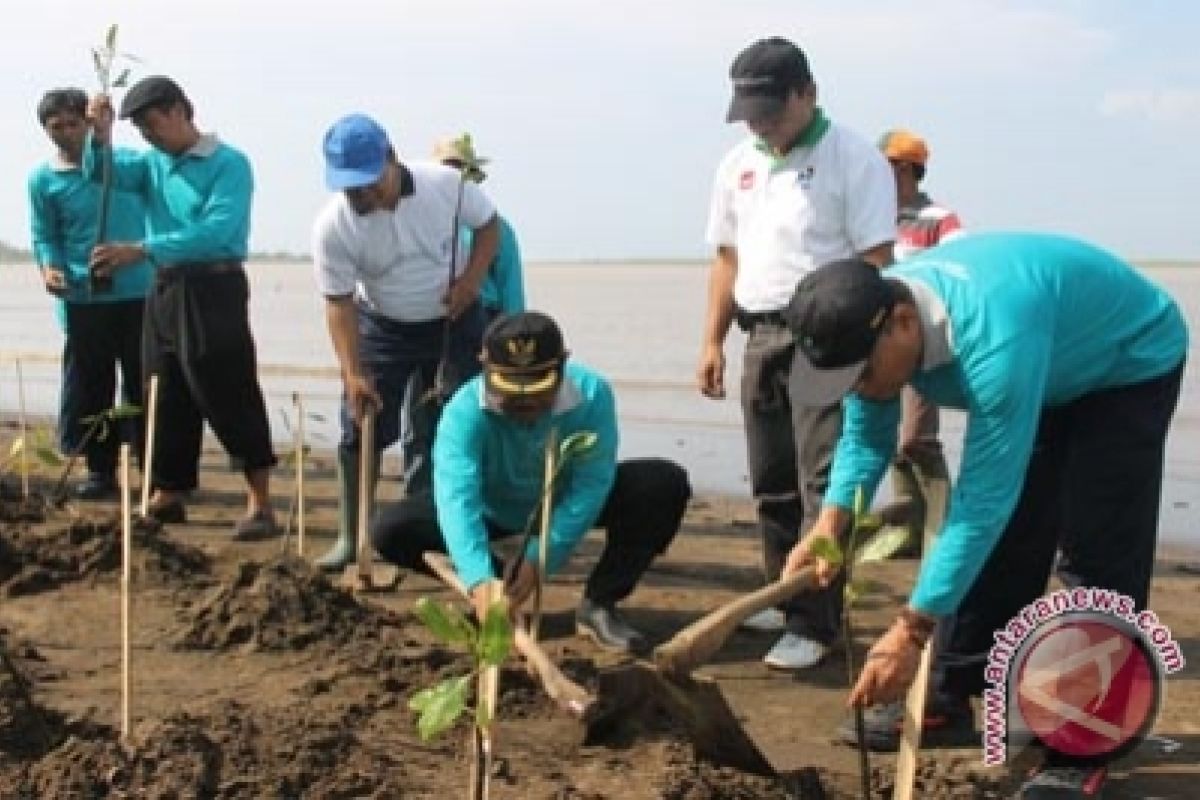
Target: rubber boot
point(344, 548)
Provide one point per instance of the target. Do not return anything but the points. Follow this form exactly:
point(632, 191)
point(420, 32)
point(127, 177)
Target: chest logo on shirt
point(804, 176)
point(746, 181)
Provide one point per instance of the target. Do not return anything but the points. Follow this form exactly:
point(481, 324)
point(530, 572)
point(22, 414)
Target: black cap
point(836, 315)
point(762, 76)
point(157, 90)
point(522, 354)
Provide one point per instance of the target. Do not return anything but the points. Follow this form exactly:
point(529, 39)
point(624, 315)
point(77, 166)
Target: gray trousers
point(790, 452)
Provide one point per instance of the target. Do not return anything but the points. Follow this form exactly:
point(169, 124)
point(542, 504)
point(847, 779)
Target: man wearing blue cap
point(197, 335)
point(402, 298)
point(1068, 365)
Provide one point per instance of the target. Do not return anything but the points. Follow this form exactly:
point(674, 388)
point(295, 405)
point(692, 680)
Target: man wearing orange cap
point(921, 224)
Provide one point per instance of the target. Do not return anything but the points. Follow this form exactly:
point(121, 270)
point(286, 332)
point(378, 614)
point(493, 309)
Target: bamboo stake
point(366, 450)
point(24, 433)
point(151, 419)
point(126, 553)
point(551, 462)
point(299, 401)
point(489, 695)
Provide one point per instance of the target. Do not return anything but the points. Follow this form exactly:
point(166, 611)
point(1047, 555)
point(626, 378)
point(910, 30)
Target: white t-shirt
point(398, 262)
point(821, 203)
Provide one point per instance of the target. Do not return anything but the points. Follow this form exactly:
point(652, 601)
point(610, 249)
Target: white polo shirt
point(787, 217)
point(398, 262)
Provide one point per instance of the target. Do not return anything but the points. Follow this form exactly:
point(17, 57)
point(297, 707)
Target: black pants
point(1095, 476)
point(790, 452)
point(641, 517)
point(101, 338)
point(198, 341)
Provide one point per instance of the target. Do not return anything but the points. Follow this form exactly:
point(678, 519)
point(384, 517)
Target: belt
point(179, 269)
point(749, 320)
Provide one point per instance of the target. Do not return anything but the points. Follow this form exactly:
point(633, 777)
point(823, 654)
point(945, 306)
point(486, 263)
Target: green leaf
point(440, 706)
point(99, 64)
point(110, 41)
point(446, 622)
point(858, 503)
point(17, 446)
point(826, 548)
point(882, 545)
point(125, 411)
point(496, 639)
point(48, 456)
point(861, 587)
point(577, 444)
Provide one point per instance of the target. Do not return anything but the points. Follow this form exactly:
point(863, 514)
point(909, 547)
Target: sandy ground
point(254, 678)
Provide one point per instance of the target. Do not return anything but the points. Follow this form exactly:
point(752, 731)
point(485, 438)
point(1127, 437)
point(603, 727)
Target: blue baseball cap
point(356, 151)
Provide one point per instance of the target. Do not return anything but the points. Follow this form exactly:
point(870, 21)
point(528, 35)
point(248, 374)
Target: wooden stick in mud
point(299, 401)
point(544, 534)
point(935, 491)
point(126, 554)
point(366, 451)
point(489, 697)
point(151, 420)
point(24, 432)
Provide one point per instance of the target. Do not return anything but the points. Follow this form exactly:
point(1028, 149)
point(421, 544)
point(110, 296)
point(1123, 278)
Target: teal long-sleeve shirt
point(198, 203)
point(504, 285)
point(1032, 321)
point(63, 212)
point(489, 467)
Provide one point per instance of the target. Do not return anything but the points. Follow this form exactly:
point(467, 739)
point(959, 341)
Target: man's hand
point(831, 520)
point(361, 397)
point(100, 115)
point(55, 280)
point(482, 596)
point(108, 258)
point(710, 375)
point(523, 584)
point(459, 297)
point(889, 670)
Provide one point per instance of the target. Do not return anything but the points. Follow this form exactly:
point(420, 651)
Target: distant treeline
point(17, 255)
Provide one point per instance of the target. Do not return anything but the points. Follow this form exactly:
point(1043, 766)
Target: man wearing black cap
point(799, 192)
point(401, 299)
point(488, 459)
point(197, 335)
point(1068, 364)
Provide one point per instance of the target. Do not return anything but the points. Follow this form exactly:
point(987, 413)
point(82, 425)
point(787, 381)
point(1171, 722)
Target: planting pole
point(126, 552)
point(488, 700)
point(544, 534)
point(24, 433)
point(366, 451)
point(299, 401)
point(935, 490)
point(151, 420)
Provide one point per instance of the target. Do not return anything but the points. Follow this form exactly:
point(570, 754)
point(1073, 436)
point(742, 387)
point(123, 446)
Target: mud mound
point(689, 779)
point(283, 604)
point(26, 729)
point(946, 779)
point(19, 509)
point(35, 560)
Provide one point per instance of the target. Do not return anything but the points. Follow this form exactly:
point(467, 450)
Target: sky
point(605, 121)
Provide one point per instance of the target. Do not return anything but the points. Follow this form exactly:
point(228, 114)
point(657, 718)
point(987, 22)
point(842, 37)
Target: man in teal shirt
point(103, 324)
point(197, 335)
point(1068, 364)
point(488, 458)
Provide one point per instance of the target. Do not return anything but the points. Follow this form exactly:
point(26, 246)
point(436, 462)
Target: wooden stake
point(24, 433)
point(151, 420)
point(551, 461)
point(366, 451)
point(935, 491)
point(126, 554)
point(489, 696)
point(299, 401)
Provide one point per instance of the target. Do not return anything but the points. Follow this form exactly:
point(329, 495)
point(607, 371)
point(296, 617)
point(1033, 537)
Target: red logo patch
point(746, 181)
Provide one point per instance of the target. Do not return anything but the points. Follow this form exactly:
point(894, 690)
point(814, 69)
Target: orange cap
point(902, 145)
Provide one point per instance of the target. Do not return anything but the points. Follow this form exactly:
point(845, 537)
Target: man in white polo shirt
point(384, 248)
point(800, 192)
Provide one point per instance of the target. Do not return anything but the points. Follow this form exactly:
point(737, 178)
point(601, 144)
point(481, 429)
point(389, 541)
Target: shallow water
point(638, 323)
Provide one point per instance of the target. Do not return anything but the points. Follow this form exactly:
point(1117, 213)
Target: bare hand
point(459, 297)
point(523, 584)
point(100, 115)
point(483, 595)
point(889, 670)
point(710, 375)
point(361, 397)
point(108, 258)
point(55, 280)
point(801, 556)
